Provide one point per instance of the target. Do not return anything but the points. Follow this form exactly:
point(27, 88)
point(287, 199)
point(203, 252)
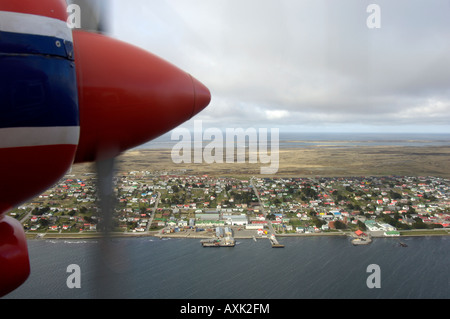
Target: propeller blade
point(105, 190)
point(109, 253)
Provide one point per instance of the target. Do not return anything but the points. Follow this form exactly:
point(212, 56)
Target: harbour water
point(302, 140)
point(308, 267)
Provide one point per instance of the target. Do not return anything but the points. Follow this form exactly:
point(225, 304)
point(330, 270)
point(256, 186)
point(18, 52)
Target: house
point(182, 223)
point(171, 223)
point(359, 232)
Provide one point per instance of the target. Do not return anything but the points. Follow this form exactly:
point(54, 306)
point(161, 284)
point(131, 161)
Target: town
point(165, 204)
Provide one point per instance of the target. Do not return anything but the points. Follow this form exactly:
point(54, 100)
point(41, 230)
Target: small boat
point(403, 244)
point(225, 242)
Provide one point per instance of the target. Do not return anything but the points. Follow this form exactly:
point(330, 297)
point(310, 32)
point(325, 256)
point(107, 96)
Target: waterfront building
point(235, 220)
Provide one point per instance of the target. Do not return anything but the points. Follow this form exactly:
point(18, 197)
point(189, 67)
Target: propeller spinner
point(128, 96)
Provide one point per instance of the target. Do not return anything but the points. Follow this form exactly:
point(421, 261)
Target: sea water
point(308, 267)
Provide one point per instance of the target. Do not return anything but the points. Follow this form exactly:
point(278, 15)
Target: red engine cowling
point(128, 96)
point(14, 262)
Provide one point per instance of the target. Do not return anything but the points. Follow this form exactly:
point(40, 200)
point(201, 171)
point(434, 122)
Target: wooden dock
point(275, 243)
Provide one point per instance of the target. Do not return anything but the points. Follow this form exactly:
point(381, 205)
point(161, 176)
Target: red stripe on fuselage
point(26, 172)
point(56, 9)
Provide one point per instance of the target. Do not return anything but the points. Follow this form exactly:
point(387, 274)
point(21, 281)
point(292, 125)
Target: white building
point(235, 220)
point(388, 227)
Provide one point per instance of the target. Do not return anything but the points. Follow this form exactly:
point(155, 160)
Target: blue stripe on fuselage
point(36, 89)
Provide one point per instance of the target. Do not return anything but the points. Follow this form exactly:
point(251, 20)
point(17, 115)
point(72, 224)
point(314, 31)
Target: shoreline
point(37, 236)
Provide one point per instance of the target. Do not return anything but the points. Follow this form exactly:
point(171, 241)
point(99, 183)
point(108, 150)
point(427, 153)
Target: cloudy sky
point(304, 65)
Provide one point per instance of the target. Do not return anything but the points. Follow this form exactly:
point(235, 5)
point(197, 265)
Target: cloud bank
point(303, 65)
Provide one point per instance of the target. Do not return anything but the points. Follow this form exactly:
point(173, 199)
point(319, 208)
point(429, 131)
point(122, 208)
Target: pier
point(275, 243)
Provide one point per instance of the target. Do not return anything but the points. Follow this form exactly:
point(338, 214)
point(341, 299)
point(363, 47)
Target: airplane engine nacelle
point(128, 96)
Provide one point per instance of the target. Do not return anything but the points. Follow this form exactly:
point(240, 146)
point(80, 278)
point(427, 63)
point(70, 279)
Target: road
point(269, 223)
point(150, 221)
point(27, 215)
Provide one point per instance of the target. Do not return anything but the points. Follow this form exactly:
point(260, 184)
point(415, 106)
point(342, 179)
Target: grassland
point(326, 161)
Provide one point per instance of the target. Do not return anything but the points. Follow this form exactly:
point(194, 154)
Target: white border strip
point(39, 136)
point(34, 24)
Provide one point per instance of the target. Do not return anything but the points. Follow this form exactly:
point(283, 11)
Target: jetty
point(274, 242)
point(360, 238)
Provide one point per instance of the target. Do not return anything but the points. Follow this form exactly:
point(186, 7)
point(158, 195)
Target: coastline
point(191, 235)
